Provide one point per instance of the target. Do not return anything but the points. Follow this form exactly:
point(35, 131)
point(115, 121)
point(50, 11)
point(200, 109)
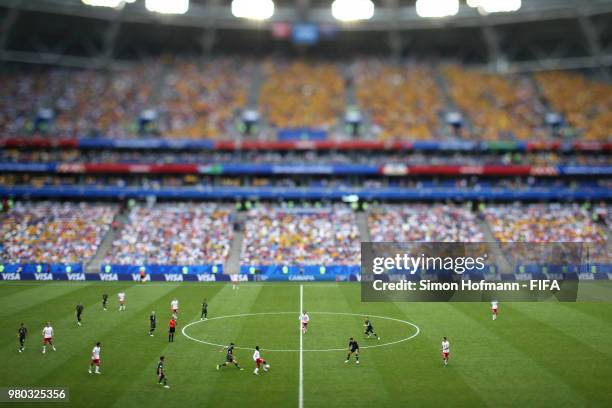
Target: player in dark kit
point(369, 329)
point(161, 373)
point(79, 312)
point(104, 301)
point(22, 333)
point(229, 357)
point(152, 323)
point(353, 348)
point(171, 329)
point(204, 314)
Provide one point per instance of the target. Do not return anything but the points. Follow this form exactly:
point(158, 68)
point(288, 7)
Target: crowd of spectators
point(201, 99)
point(585, 104)
point(402, 101)
point(197, 98)
point(413, 223)
point(179, 234)
point(77, 102)
point(301, 94)
point(543, 223)
point(52, 232)
point(497, 107)
point(301, 236)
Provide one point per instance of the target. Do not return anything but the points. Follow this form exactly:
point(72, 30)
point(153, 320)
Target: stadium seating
point(543, 223)
point(402, 101)
point(408, 223)
point(497, 107)
point(302, 95)
point(174, 234)
point(301, 236)
point(52, 232)
point(199, 100)
point(586, 104)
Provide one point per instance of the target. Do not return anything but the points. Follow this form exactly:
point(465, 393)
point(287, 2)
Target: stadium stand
point(53, 232)
point(171, 234)
point(301, 236)
point(200, 99)
point(498, 107)
point(402, 101)
point(438, 223)
point(585, 104)
point(302, 95)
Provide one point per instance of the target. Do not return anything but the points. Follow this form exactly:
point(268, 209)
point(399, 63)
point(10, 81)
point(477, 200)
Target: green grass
point(535, 354)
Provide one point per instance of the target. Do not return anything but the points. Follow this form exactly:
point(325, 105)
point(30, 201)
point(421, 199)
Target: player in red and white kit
point(494, 305)
point(259, 361)
point(95, 359)
point(304, 319)
point(121, 297)
point(47, 337)
point(235, 278)
point(445, 351)
point(174, 306)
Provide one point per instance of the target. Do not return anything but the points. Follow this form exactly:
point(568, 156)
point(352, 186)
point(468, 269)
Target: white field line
point(301, 389)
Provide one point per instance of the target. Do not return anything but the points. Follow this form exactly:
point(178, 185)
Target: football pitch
point(535, 354)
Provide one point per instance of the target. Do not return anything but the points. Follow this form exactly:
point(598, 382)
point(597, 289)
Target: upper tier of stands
point(296, 95)
point(402, 101)
point(586, 104)
point(199, 100)
point(202, 99)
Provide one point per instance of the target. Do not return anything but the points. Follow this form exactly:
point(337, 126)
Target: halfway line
point(301, 389)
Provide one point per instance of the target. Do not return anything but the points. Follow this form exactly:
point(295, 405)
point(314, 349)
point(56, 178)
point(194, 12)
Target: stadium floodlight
point(106, 3)
point(495, 6)
point(167, 6)
point(437, 8)
point(253, 9)
point(352, 10)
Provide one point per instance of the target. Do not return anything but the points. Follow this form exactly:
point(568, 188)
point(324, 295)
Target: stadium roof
point(542, 34)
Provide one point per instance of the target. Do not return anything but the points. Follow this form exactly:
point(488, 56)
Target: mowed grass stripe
point(582, 327)
point(190, 365)
point(74, 343)
point(348, 379)
point(67, 336)
point(487, 349)
point(54, 307)
point(279, 386)
point(585, 369)
point(35, 296)
point(428, 382)
point(140, 375)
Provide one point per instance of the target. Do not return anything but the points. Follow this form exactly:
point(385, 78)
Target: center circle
point(404, 322)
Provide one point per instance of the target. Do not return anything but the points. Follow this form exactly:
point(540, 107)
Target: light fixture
point(253, 9)
point(352, 10)
point(167, 6)
point(437, 8)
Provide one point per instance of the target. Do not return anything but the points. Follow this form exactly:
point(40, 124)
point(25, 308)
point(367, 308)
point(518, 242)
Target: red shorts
point(445, 354)
point(174, 310)
point(259, 361)
point(47, 340)
point(95, 361)
point(304, 324)
point(494, 311)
